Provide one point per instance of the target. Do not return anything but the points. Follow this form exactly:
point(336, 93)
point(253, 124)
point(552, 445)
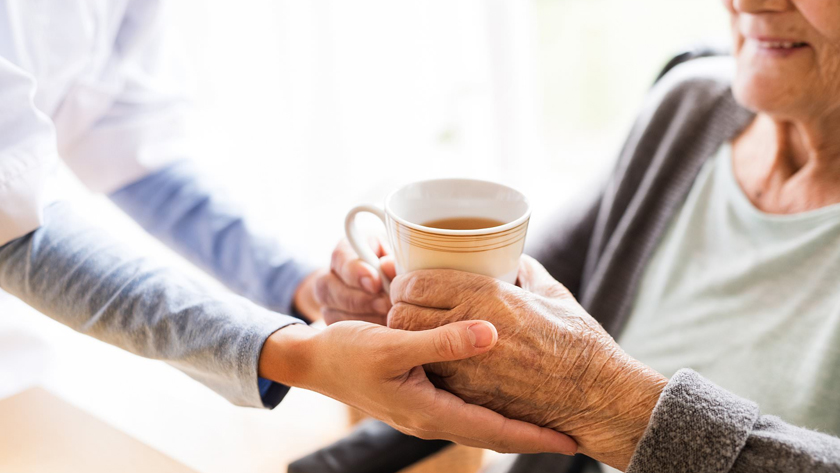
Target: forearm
point(80, 276)
point(699, 427)
point(187, 212)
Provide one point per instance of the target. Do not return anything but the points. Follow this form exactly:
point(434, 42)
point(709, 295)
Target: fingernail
point(367, 284)
point(380, 305)
point(480, 335)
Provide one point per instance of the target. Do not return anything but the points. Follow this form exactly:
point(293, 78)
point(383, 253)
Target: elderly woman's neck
point(788, 166)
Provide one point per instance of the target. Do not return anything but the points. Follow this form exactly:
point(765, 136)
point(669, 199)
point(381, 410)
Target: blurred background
point(306, 108)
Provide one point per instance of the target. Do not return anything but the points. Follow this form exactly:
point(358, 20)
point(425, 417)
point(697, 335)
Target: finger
point(332, 316)
point(404, 316)
point(352, 270)
point(388, 266)
point(378, 245)
point(477, 426)
point(331, 292)
point(451, 342)
point(533, 277)
point(440, 288)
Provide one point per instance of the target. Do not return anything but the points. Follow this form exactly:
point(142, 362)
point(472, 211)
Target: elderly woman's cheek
point(822, 15)
point(830, 72)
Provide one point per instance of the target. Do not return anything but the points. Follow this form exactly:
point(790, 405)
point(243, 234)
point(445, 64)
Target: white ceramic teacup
point(493, 251)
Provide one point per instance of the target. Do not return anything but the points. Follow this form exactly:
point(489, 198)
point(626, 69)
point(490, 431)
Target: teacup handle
point(358, 243)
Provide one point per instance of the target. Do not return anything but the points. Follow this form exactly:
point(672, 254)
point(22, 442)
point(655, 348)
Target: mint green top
point(747, 299)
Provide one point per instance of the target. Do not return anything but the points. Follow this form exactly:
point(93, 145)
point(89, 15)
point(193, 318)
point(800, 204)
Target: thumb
point(533, 277)
point(451, 342)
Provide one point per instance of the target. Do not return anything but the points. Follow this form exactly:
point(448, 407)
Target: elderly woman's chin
point(768, 93)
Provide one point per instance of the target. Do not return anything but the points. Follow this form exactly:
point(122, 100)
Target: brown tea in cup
point(464, 223)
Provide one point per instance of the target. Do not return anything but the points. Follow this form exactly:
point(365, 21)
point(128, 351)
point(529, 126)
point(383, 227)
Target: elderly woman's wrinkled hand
point(553, 366)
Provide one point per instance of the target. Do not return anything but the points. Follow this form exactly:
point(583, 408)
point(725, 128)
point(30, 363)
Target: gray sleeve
point(699, 427)
point(78, 275)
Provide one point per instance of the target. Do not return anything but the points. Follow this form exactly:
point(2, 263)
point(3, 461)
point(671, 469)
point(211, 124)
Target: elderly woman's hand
point(554, 365)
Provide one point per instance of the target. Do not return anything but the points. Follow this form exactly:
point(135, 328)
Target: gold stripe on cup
point(438, 242)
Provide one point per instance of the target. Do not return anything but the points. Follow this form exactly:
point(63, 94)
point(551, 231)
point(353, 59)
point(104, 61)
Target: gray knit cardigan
point(600, 249)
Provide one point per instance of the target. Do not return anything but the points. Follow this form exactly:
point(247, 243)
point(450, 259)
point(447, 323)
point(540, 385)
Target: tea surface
point(464, 223)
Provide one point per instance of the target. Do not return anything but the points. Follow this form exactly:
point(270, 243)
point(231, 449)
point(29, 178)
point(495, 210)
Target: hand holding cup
point(352, 289)
point(553, 365)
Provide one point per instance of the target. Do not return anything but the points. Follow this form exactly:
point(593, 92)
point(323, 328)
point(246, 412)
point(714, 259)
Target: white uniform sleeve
point(27, 154)
point(144, 101)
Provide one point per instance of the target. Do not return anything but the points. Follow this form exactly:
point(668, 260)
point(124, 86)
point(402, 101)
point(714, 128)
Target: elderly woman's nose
point(760, 6)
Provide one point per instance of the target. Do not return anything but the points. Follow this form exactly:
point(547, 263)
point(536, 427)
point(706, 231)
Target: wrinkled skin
point(553, 365)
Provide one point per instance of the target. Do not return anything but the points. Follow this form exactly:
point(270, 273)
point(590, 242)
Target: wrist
point(287, 355)
point(635, 394)
point(304, 300)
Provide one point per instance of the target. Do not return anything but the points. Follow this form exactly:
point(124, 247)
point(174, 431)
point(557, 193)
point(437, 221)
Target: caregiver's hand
point(553, 365)
point(352, 290)
point(379, 371)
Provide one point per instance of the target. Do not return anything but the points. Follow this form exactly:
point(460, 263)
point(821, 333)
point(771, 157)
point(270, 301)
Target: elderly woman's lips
point(779, 47)
point(781, 44)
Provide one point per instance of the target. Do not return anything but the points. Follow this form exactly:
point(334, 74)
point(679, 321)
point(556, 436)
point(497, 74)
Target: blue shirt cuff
point(271, 393)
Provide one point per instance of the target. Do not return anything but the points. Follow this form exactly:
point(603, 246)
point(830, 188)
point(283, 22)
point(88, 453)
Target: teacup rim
point(444, 231)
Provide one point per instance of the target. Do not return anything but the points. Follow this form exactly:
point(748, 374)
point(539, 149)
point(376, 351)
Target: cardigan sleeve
point(699, 427)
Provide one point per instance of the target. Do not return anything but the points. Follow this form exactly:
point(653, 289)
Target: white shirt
point(92, 82)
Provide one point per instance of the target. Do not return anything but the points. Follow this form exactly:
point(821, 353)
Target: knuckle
point(353, 270)
point(404, 316)
point(417, 287)
point(397, 316)
point(489, 286)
